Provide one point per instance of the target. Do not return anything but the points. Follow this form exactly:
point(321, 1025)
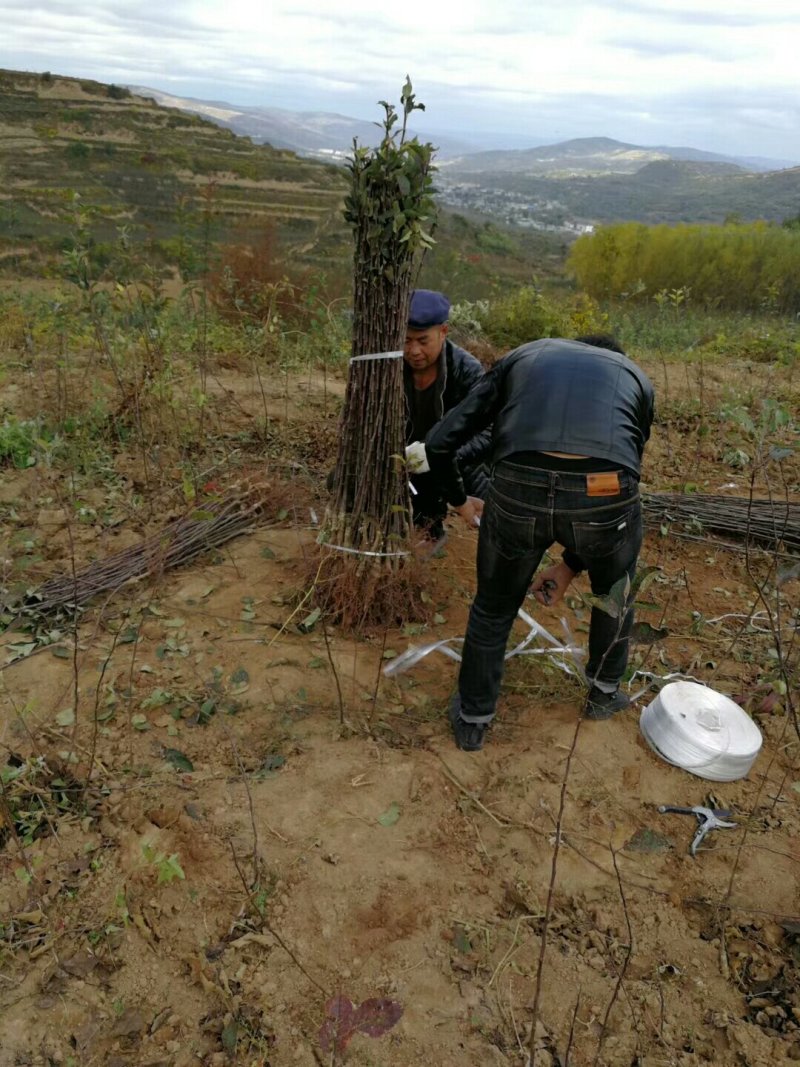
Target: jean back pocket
point(593, 540)
point(512, 535)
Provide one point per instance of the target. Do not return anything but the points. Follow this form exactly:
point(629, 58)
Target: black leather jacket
point(552, 395)
point(458, 373)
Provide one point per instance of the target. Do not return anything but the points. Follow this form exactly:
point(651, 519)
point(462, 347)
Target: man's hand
point(471, 511)
point(549, 585)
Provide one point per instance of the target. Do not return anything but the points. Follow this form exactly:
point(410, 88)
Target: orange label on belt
point(605, 484)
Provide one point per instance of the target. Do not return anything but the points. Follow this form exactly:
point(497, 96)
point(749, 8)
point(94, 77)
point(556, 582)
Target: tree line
point(737, 266)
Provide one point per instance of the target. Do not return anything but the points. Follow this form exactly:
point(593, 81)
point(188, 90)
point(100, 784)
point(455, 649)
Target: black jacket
point(458, 373)
point(551, 395)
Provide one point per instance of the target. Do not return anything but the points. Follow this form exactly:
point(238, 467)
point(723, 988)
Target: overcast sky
point(720, 75)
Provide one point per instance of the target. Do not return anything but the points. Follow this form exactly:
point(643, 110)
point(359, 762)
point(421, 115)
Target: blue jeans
point(526, 511)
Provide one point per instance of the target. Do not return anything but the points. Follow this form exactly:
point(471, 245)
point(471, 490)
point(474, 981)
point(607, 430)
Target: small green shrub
point(21, 441)
point(585, 316)
point(525, 315)
point(466, 319)
point(496, 241)
point(168, 867)
point(78, 151)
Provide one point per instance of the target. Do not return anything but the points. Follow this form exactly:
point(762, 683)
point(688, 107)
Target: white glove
point(416, 459)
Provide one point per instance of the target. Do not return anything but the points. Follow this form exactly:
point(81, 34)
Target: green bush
point(78, 152)
point(496, 241)
point(524, 315)
point(585, 316)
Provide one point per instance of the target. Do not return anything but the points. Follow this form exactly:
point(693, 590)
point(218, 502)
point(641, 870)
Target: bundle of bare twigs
point(767, 522)
point(390, 199)
point(775, 523)
point(178, 543)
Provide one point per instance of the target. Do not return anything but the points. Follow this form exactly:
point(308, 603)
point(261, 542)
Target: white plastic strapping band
point(659, 678)
point(362, 552)
point(377, 355)
point(567, 656)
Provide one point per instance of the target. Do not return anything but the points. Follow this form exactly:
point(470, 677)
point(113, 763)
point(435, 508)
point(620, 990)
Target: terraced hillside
point(140, 165)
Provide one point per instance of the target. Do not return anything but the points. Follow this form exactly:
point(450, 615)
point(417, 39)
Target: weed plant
point(673, 324)
point(120, 356)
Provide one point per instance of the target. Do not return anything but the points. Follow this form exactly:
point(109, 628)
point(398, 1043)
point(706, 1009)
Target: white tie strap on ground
point(567, 655)
point(701, 731)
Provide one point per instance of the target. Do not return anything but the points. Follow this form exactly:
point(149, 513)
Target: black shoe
point(468, 735)
point(600, 705)
point(435, 531)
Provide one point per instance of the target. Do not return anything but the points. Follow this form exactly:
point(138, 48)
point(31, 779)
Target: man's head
point(427, 328)
point(602, 340)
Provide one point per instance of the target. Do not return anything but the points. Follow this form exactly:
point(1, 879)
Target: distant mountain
point(593, 156)
point(323, 134)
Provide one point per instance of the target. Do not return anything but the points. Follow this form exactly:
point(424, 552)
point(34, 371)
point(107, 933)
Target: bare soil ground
point(268, 821)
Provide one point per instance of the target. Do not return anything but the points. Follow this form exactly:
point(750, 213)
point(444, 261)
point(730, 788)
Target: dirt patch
point(217, 817)
point(326, 850)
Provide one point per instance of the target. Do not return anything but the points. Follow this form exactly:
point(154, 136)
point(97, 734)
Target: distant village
point(514, 209)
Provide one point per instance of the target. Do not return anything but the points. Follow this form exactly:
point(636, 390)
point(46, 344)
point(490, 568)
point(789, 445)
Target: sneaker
point(468, 735)
point(600, 705)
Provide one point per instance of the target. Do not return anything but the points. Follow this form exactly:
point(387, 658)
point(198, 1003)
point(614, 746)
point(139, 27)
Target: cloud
point(515, 66)
point(663, 47)
point(688, 14)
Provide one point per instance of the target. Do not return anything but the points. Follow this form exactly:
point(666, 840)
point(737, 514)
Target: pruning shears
point(547, 589)
point(707, 818)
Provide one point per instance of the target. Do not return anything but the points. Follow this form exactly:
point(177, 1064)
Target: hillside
point(181, 182)
point(134, 163)
point(591, 156)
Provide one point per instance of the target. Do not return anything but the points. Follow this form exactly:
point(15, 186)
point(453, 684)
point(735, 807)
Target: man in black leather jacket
point(571, 419)
point(437, 375)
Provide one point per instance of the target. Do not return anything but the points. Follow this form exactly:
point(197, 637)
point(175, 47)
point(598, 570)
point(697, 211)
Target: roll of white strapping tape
point(701, 731)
